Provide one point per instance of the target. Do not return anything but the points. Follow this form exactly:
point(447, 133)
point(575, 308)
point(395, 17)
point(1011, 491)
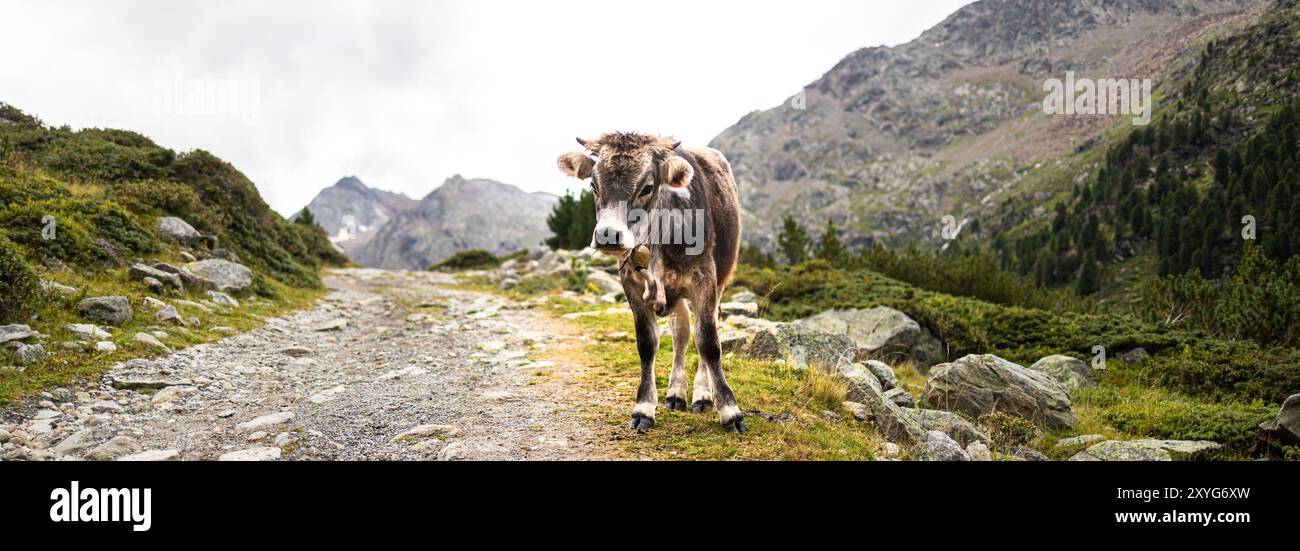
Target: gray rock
point(141, 381)
point(1145, 450)
point(87, 331)
point(739, 309)
point(152, 455)
point(883, 373)
point(900, 397)
point(224, 274)
point(955, 426)
point(881, 332)
point(802, 346)
point(105, 347)
point(144, 273)
point(937, 446)
point(1134, 356)
point(167, 313)
point(893, 422)
point(74, 443)
point(189, 278)
point(604, 282)
point(333, 325)
point(977, 451)
point(113, 310)
point(29, 354)
point(14, 332)
point(984, 383)
point(252, 454)
point(266, 421)
point(223, 299)
point(858, 410)
point(1079, 440)
point(58, 288)
point(1284, 430)
point(114, 448)
point(1071, 373)
point(745, 296)
point(178, 230)
point(1028, 454)
point(150, 340)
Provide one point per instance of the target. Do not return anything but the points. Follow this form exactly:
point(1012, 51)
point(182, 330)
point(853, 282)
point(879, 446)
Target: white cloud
point(406, 93)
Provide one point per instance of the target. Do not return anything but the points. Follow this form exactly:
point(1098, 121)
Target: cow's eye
point(646, 190)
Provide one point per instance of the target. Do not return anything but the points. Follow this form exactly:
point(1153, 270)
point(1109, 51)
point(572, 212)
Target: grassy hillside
point(76, 207)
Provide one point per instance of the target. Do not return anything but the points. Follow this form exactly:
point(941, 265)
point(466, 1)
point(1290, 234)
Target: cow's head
point(627, 170)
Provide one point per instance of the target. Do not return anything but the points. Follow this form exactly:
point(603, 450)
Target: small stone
point(105, 347)
point(977, 451)
point(87, 331)
point(257, 436)
point(29, 354)
point(113, 310)
point(1079, 440)
point(857, 410)
point(253, 454)
point(266, 421)
point(296, 351)
point(152, 455)
point(115, 448)
point(939, 447)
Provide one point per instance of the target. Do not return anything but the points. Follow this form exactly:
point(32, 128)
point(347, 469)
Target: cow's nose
point(612, 237)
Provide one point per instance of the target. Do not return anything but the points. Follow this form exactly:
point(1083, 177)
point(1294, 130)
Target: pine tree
point(793, 241)
point(305, 217)
point(830, 248)
point(1089, 276)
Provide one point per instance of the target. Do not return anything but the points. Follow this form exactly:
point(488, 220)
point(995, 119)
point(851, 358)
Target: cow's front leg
point(680, 323)
point(710, 349)
point(647, 344)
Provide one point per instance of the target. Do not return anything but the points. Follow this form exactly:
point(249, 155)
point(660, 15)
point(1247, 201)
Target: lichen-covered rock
point(901, 397)
point(937, 446)
point(883, 373)
point(224, 274)
point(145, 273)
point(1284, 430)
point(1071, 373)
point(114, 310)
point(983, 383)
point(893, 422)
point(14, 332)
point(1145, 450)
point(881, 332)
point(951, 424)
point(801, 346)
point(178, 230)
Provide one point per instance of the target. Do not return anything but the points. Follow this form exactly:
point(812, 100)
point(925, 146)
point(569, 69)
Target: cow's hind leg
point(680, 322)
point(707, 344)
point(647, 343)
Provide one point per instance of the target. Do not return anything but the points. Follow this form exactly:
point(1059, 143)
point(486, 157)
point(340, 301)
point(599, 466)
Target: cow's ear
point(576, 164)
point(676, 172)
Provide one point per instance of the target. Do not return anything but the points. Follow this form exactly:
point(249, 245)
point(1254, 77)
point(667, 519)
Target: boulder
point(604, 282)
point(224, 274)
point(1284, 430)
point(883, 373)
point(983, 383)
point(894, 423)
point(1071, 373)
point(15, 332)
point(1145, 450)
point(801, 346)
point(113, 310)
point(938, 447)
point(223, 299)
point(87, 331)
point(144, 273)
point(117, 447)
point(900, 397)
point(881, 332)
point(28, 354)
point(951, 424)
point(189, 278)
point(58, 288)
point(178, 230)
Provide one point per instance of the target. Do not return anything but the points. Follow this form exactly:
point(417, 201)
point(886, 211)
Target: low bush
point(21, 294)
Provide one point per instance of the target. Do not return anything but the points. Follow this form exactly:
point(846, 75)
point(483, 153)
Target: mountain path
point(385, 353)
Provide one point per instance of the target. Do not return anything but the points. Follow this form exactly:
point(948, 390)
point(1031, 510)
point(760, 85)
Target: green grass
point(67, 366)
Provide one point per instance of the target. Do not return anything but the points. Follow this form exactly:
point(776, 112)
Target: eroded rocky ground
point(390, 366)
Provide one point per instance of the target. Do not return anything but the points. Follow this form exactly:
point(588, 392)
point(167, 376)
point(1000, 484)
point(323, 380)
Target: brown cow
point(678, 205)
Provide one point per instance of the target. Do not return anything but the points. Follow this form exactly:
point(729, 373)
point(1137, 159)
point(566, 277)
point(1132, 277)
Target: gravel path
point(390, 366)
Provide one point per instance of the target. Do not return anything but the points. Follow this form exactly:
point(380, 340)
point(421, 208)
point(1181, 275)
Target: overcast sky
point(403, 94)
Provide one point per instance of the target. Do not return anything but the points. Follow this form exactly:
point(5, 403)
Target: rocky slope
point(459, 215)
point(894, 138)
point(349, 209)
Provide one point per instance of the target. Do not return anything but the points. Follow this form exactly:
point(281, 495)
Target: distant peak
point(350, 182)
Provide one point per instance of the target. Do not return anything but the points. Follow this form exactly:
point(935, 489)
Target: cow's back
point(714, 183)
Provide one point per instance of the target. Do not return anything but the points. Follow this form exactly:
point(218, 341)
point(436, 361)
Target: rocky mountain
point(349, 209)
point(459, 215)
point(893, 139)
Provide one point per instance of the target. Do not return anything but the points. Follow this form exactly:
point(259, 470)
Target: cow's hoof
point(702, 406)
point(736, 424)
point(674, 403)
point(641, 422)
